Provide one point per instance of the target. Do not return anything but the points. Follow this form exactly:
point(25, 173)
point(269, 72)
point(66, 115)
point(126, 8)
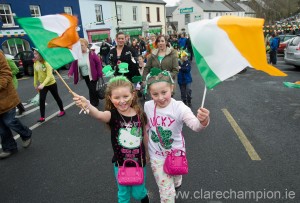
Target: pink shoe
point(42, 119)
point(62, 113)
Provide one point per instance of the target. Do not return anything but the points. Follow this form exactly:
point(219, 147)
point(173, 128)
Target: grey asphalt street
point(249, 153)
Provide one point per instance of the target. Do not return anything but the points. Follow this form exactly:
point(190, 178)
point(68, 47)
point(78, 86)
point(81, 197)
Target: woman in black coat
point(123, 54)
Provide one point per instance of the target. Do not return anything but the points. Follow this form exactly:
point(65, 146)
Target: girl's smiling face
point(121, 97)
point(161, 93)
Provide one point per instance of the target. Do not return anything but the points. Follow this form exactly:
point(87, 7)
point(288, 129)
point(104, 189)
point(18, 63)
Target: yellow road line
point(249, 148)
point(23, 78)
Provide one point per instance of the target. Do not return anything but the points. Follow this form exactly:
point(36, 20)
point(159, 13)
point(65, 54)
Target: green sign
point(186, 10)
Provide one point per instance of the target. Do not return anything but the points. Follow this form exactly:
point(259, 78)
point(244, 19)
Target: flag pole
point(73, 94)
point(64, 82)
point(204, 94)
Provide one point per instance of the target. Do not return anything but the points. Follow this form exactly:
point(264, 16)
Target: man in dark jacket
point(104, 51)
point(8, 101)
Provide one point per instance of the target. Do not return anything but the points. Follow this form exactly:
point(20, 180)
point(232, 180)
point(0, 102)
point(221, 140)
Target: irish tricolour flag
point(54, 36)
point(225, 45)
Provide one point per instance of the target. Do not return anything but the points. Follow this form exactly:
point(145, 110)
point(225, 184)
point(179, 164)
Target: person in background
point(8, 101)
point(104, 51)
point(274, 44)
point(89, 67)
point(184, 79)
point(123, 54)
point(44, 81)
point(136, 48)
point(182, 42)
point(127, 40)
point(163, 57)
point(15, 70)
point(142, 44)
point(189, 48)
point(151, 45)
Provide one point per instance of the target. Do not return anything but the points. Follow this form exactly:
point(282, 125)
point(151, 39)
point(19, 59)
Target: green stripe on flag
point(209, 77)
point(56, 57)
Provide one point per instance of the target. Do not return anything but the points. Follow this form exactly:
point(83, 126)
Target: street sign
point(186, 10)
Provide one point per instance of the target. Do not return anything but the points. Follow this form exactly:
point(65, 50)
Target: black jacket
point(126, 56)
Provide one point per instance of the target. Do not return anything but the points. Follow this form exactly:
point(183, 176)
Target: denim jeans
point(8, 121)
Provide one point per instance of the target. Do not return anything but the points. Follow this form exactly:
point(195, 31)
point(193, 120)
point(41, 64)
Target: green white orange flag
point(54, 36)
point(225, 45)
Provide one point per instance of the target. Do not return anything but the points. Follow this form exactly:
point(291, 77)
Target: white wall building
point(194, 10)
point(99, 19)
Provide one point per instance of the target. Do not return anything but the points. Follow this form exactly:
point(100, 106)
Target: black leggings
point(91, 84)
point(54, 92)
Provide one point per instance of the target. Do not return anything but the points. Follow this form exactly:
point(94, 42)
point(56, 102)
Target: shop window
point(187, 18)
point(148, 14)
point(134, 11)
point(119, 13)
point(6, 15)
point(99, 13)
point(35, 10)
point(68, 10)
point(15, 45)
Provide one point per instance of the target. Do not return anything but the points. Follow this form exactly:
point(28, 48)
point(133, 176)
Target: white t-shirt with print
point(169, 121)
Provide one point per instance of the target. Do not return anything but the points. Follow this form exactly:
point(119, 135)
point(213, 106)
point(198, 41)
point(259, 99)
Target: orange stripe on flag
point(69, 37)
point(247, 36)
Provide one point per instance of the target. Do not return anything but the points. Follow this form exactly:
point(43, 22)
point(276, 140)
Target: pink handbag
point(130, 175)
point(175, 162)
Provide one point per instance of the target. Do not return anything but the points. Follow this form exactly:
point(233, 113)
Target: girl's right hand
point(80, 101)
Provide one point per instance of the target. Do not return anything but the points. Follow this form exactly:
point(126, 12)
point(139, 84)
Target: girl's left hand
point(203, 115)
point(40, 87)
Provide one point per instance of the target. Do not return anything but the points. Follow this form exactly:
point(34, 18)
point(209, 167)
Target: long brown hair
point(122, 81)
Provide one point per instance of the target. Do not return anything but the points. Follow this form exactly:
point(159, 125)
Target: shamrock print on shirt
point(165, 137)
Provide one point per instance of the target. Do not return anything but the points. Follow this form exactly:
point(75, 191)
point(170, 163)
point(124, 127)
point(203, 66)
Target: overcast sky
point(171, 2)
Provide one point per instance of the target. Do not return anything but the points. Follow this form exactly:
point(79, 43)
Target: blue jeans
point(8, 121)
point(138, 192)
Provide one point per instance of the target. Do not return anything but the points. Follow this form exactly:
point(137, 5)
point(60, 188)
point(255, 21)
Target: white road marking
point(47, 119)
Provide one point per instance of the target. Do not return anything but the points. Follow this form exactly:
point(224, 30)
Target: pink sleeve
point(190, 119)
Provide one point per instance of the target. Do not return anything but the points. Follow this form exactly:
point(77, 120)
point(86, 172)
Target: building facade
point(102, 19)
point(13, 38)
point(193, 10)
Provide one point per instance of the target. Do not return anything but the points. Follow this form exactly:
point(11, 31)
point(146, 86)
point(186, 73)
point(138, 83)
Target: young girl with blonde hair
point(127, 121)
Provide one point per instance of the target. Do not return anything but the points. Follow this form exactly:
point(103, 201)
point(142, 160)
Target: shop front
point(14, 41)
point(133, 32)
point(98, 35)
point(155, 30)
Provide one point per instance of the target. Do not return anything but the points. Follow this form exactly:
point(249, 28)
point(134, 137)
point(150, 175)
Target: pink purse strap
point(160, 140)
point(139, 128)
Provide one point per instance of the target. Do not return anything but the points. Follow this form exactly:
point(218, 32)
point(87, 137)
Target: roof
point(212, 6)
point(142, 1)
point(246, 8)
point(233, 6)
point(169, 10)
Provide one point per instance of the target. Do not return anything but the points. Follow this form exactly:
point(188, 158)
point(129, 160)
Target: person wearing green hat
point(122, 54)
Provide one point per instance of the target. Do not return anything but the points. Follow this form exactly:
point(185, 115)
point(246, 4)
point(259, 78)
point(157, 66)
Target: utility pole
point(117, 28)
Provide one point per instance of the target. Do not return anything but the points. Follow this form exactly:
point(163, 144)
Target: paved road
point(251, 145)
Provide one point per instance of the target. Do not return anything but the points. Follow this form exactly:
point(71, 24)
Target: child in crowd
point(142, 64)
point(184, 79)
point(127, 122)
point(44, 81)
point(166, 117)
